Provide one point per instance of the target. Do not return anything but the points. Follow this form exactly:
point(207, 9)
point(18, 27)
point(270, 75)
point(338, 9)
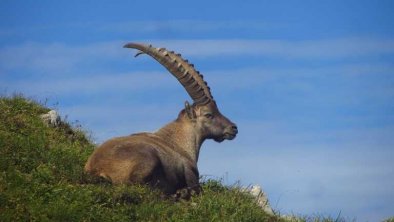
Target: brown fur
point(166, 159)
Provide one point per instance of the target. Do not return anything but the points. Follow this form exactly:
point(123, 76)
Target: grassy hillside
point(42, 179)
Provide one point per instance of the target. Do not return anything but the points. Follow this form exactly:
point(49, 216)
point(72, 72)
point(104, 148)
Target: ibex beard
point(166, 159)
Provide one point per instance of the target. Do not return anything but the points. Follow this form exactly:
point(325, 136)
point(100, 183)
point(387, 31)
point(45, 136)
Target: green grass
point(42, 179)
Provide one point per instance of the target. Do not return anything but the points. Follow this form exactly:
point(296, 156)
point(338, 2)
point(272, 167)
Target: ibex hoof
point(187, 193)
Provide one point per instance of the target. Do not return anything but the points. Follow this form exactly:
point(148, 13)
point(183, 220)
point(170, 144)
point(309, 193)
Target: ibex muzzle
point(166, 159)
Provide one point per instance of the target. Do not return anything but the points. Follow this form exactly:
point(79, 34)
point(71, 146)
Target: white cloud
point(149, 27)
point(55, 57)
point(97, 84)
point(184, 26)
point(58, 56)
point(251, 76)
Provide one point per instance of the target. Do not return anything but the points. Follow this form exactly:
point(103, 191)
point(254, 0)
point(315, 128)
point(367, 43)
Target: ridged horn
point(185, 72)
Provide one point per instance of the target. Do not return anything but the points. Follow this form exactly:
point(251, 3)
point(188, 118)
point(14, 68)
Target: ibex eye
point(208, 115)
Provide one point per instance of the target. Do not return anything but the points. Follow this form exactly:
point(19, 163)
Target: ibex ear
point(190, 111)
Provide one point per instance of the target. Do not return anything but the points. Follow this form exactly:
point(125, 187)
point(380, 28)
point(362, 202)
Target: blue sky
point(310, 85)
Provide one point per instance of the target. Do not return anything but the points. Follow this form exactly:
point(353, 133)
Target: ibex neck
point(184, 136)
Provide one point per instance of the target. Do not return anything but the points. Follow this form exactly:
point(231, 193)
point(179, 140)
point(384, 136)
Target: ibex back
point(166, 159)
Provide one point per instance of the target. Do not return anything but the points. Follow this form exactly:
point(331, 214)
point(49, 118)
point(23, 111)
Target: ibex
point(166, 159)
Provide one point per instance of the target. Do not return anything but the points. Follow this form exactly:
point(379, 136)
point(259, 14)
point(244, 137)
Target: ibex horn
point(185, 72)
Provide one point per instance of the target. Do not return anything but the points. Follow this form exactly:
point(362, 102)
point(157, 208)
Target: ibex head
point(211, 123)
point(204, 112)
